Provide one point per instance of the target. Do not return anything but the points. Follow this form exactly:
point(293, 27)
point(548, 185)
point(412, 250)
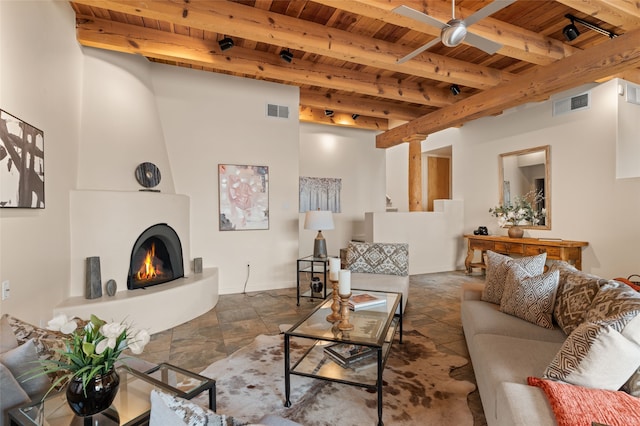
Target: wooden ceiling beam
point(238, 20)
point(317, 115)
point(357, 105)
point(608, 58)
point(624, 14)
point(517, 42)
point(167, 46)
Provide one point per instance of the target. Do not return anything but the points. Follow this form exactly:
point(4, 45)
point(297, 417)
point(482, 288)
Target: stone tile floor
point(433, 308)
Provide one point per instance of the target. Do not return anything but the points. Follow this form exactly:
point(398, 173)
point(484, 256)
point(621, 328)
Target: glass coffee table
point(132, 404)
point(373, 328)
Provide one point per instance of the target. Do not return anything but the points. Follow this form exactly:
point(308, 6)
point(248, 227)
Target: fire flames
point(149, 269)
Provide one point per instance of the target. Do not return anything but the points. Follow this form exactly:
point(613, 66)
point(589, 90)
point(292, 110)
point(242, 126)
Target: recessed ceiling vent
point(633, 94)
point(277, 111)
point(574, 103)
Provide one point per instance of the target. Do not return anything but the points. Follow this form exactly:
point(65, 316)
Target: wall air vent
point(633, 94)
point(277, 111)
point(574, 103)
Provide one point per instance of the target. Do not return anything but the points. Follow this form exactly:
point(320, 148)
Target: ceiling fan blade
point(418, 16)
point(418, 51)
point(482, 43)
point(489, 9)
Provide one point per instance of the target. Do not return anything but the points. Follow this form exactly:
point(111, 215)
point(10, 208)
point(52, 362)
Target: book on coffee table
point(347, 354)
point(365, 300)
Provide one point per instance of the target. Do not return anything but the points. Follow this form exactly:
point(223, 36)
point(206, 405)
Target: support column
point(415, 171)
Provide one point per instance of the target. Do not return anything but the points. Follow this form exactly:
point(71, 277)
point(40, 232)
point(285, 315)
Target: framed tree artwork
point(243, 197)
point(21, 163)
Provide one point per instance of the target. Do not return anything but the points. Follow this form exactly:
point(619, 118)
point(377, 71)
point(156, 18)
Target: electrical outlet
point(5, 290)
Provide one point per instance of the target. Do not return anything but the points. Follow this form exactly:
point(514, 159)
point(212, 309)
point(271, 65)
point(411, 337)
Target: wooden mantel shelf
point(556, 249)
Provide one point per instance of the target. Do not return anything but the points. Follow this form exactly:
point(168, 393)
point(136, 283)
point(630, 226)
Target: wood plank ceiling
point(345, 53)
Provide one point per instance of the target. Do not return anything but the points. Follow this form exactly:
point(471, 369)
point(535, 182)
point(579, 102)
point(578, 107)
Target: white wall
point(588, 202)
point(351, 155)
point(40, 82)
point(210, 119)
point(120, 123)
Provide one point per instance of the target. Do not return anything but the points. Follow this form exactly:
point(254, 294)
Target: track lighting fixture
point(355, 116)
point(328, 113)
point(571, 31)
point(455, 90)
point(286, 55)
point(225, 44)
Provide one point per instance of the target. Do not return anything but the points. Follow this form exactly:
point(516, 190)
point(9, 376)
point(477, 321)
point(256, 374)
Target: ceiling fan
point(455, 31)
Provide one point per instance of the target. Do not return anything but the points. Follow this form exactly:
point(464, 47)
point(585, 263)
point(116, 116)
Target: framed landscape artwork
point(243, 197)
point(21, 164)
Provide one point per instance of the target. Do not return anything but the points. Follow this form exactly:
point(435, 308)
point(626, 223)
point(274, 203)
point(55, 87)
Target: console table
point(570, 251)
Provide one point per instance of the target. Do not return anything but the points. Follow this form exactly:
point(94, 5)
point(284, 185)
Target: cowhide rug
point(417, 387)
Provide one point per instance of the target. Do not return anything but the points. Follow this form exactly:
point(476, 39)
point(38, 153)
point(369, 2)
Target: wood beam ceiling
point(600, 61)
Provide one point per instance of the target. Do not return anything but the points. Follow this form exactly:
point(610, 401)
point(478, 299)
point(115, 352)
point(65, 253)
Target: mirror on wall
point(525, 175)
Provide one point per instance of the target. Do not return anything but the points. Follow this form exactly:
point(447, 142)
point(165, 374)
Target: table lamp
point(319, 220)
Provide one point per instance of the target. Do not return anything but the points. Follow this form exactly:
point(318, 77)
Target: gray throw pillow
point(497, 268)
point(11, 393)
point(21, 361)
point(7, 336)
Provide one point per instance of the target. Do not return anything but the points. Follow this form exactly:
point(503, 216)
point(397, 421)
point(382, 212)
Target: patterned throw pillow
point(576, 291)
point(595, 356)
point(497, 268)
point(530, 298)
point(378, 258)
point(48, 343)
point(616, 304)
point(168, 410)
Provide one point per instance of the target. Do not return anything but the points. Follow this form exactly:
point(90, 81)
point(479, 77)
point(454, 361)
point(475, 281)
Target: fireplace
point(156, 257)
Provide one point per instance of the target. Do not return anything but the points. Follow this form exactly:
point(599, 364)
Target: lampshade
point(318, 220)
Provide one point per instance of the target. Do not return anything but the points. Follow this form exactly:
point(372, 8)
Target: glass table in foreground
point(374, 328)
point(131, 406)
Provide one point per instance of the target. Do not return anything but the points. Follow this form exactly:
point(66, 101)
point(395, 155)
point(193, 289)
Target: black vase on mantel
point(98, 396)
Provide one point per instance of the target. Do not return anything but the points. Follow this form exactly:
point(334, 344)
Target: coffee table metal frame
point(33, 413)
point(374, 327)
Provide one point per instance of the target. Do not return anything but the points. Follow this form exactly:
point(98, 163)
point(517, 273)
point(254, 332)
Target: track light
point(355, 116)
point(328, 113)
point(571, 31)
point(455, 90)
point(225, 44)
point(286, 55)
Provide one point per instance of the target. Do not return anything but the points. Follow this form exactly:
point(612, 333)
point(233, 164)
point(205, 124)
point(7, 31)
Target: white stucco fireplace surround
point(107, 224)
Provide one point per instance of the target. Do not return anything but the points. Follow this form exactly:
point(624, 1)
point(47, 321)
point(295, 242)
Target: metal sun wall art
point(21, 164)
point(243, 197)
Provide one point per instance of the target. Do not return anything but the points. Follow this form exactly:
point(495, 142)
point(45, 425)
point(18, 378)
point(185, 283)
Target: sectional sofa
point(554, 347)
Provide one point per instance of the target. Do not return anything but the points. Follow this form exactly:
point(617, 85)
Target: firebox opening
point(156, 257)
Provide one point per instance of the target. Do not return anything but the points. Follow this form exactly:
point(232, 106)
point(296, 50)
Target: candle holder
point(344, 314)
point(335, 306)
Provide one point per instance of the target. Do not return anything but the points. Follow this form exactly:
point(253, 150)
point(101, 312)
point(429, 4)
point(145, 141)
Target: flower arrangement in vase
point(88, 362)
point(520, 212)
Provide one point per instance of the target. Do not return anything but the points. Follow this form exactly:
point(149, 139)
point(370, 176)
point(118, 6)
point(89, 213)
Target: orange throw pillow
point(579, 406)
point(628, 282)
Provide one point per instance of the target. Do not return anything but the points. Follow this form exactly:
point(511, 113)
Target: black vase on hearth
point(98, 395)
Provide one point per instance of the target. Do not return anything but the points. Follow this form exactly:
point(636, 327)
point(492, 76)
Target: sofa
point(378, 267)
point(551, 345)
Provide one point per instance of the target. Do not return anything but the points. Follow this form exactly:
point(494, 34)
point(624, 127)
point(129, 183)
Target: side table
point(132, 405)
point(308, 268)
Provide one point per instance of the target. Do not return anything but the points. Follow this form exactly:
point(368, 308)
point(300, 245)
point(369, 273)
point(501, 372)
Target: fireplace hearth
point(156, 258)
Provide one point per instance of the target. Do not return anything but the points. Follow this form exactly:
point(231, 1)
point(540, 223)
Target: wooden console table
point(570, 251)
